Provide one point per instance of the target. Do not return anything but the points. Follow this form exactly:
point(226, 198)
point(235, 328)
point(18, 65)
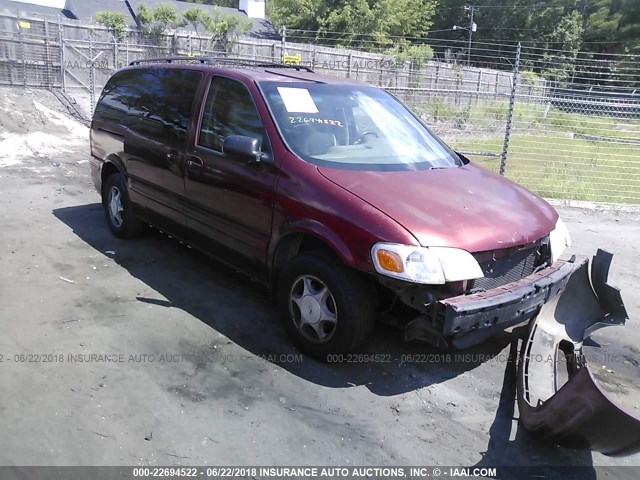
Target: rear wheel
point(326, 307)
point(118, 209)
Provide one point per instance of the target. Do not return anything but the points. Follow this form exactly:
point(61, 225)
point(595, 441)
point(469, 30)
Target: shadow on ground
point(241, 310)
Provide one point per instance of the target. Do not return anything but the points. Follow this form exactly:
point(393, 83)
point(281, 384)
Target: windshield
point(354, 127)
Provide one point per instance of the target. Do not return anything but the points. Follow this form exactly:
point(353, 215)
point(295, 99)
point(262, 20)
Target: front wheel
point(118, 209)
point(326, 307)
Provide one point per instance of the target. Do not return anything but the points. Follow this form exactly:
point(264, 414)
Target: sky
point(45, 3)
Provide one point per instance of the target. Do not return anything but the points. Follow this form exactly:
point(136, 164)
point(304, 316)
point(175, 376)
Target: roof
point(29, 8)
point(260, 28)
point(274, 73)
point(86, 11)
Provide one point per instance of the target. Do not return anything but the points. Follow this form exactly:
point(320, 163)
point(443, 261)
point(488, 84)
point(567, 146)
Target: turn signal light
point(390, 261)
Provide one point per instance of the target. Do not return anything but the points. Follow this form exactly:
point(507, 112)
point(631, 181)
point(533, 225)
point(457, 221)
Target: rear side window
point(154, 102)
point(116, 97)
point(229, 110)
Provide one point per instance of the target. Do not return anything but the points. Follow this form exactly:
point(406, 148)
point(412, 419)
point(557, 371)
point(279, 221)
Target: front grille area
point(508, 265)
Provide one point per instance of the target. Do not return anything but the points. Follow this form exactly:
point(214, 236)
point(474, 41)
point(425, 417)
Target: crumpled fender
point(577, 413)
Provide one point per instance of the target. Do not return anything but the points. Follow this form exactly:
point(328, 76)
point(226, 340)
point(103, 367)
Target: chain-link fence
point(565, 124)
point(29, 52)
point(580, 137)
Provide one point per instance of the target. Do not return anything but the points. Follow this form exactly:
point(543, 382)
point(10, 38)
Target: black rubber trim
point(516, 300)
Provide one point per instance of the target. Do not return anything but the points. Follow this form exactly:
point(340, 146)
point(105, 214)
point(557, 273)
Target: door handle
point(195, 162)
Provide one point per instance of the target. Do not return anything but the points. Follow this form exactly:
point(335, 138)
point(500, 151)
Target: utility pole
point(472, 27)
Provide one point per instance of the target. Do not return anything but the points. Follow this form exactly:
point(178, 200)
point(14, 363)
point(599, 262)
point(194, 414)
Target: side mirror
point(243, 148)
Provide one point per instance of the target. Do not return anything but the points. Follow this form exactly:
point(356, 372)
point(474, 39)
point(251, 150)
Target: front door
point(230, 201)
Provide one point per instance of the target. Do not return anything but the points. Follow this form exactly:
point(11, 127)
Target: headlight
point(559, 239)
point(433, 265)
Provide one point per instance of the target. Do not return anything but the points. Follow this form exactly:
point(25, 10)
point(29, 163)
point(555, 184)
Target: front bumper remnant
point(513, 303)
point(577, 413)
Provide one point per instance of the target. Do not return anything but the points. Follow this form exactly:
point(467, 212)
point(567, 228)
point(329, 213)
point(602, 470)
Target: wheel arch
point(306, 239)
point(112, 164)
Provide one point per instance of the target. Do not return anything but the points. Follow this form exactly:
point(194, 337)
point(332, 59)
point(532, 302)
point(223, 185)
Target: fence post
point(512, 101)
point(283, 44)
point(47, 51)
point(459, 82)
point(115, 53)
point(92, 81)
point(22, 54)
point(313, 57)
point(63, 80)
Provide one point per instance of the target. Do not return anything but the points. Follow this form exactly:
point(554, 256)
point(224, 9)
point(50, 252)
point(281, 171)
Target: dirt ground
point(191, 365)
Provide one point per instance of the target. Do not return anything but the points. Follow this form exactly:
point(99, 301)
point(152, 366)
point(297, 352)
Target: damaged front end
point(558, 397)
point(471, 296)
point(469, 319)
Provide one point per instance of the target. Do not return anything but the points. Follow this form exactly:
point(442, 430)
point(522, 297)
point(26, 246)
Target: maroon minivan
point(331, 192)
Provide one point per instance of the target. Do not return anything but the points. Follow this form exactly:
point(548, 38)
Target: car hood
point(464, 207)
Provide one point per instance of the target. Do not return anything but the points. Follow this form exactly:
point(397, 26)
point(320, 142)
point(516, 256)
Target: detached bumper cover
point(575, 412)
point(511, 303)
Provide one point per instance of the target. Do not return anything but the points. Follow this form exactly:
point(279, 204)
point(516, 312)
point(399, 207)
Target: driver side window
point(229, 110)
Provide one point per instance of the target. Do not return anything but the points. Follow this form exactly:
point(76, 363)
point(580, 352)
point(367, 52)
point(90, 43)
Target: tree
point(613, 26)
point(218, 3)
point(157, 21)
point(629, 26)
point(115, 21)
point(417, 54)
point(564, 43)
point(405, 17)
point(195, 17)
point(225, 29)
point(366, 24)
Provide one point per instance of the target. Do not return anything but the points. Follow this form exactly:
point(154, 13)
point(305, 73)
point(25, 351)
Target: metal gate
point(87, 65)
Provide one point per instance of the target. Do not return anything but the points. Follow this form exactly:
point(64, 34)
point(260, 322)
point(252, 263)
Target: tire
point(338, 319)
point(121, 218)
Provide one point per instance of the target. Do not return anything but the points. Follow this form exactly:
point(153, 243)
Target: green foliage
point(224, 29)
point(195, 17)
point(441, 110)
point(528, 77)
point(218, 3)
point(345, 21)
point(566, 39)
point(606, 26)
point(558, 30)
point(115, 21)
point(417, 54)
point(608, 21)
point(157, 21)
point(462, 117)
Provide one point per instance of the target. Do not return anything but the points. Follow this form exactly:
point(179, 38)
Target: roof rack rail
point(222, 60)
